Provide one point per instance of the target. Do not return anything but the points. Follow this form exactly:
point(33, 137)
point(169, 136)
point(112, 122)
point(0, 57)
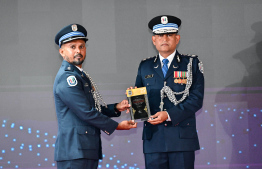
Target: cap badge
point(164, 20)
point(74, 27)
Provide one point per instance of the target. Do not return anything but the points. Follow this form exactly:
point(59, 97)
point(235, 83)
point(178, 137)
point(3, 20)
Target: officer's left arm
point(114, 110)
point(194, 101)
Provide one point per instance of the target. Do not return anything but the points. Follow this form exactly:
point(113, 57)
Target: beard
point(78, 61)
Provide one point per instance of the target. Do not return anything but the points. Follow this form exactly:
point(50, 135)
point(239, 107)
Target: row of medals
point(180, 77)
point(180, 81)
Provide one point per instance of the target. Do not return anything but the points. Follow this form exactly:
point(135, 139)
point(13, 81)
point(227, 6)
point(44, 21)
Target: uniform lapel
point(173, 66)
point(158, 68)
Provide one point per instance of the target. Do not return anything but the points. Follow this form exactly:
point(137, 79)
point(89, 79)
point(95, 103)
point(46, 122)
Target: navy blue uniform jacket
point(79, 123)
point(180, 134)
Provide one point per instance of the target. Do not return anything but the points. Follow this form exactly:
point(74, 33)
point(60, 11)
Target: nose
point(165, 37)
point(78, 50)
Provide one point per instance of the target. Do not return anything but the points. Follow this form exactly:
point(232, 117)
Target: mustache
point(78, 55)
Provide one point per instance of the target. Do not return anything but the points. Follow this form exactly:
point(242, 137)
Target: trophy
point(138, 100)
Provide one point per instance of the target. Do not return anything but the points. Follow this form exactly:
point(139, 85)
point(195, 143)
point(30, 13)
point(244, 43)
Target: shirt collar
point(170, 58)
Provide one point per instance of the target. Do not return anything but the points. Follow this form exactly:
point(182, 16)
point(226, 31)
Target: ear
point(177, 38)
point(61, 51)
point(154, 40)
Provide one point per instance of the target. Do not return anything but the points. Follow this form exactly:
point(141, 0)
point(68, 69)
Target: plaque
point(138, 100)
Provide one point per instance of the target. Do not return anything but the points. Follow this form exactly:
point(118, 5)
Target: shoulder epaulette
point(189, 55)
point(149, 58)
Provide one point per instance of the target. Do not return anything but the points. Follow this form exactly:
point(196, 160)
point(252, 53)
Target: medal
point(176, 80)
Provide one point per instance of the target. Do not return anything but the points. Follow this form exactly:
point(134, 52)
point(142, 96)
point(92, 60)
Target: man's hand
point(126, 125)
point(158, 118)
point(123, 105)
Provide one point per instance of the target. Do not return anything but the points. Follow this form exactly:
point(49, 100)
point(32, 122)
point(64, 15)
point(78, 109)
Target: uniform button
point(164, 109)
point(86, 132)
point(145, 124)
point(165, 124)
point(147, 84)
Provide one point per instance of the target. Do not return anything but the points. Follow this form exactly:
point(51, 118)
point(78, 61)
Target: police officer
point(175, 87)
point(81, 111)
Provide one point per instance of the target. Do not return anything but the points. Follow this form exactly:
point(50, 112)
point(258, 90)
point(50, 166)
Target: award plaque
point(138, 100)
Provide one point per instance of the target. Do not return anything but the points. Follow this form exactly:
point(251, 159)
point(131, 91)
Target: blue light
point(8, 162)
point(37, 131)
point(39, 165)
point(37, 136)
point(208, 163)
point(255, 145)
point(4, 121)
point(233, 135)
point(255, 115)
point(21, 147)
point(211, 125)
point(21, 127)
point(38, 145)
point(53, 145)
point(226, 120)
point(38, 154)
point(239, 152)
point(240, 117)
point(12, 125)
point(14, 140)
point(225, 158)
point(3, 151)
point(20, 154)
point(45, 140)
point(46, 159)
point(112, 145)
point(107, 165)
point(16, 166)
point(110, 158)
point(118, 161)
point(47, 145)
point(3, 125)
point(247, 166)
point(132, 154)
point(46, 134)
point(1, 158)
point(6, 135)
point(53, 164)
point(202, 148)
point(54, 136)
point(99, 166)
point(128, 141)
point(12, 149)
point(218, 142)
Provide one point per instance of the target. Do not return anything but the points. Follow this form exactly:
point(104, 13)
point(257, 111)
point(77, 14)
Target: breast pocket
point(87, 137)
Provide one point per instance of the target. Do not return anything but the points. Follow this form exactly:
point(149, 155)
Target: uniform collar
point(170, 58)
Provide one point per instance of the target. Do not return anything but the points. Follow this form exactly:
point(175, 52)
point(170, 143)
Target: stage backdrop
point(225, 34)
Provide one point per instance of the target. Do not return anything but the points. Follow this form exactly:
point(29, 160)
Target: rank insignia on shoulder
point(71, 80)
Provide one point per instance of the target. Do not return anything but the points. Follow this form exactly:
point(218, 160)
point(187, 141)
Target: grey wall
point(225, 34)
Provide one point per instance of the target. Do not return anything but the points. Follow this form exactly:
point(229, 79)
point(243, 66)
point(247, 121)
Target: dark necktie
point(165, 68)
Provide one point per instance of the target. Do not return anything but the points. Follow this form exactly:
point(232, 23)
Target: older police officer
point(81, 111)
point(175, 88)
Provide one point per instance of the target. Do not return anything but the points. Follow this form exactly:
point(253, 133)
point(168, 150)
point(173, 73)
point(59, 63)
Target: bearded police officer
point(81, 111)
point(175, 88)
